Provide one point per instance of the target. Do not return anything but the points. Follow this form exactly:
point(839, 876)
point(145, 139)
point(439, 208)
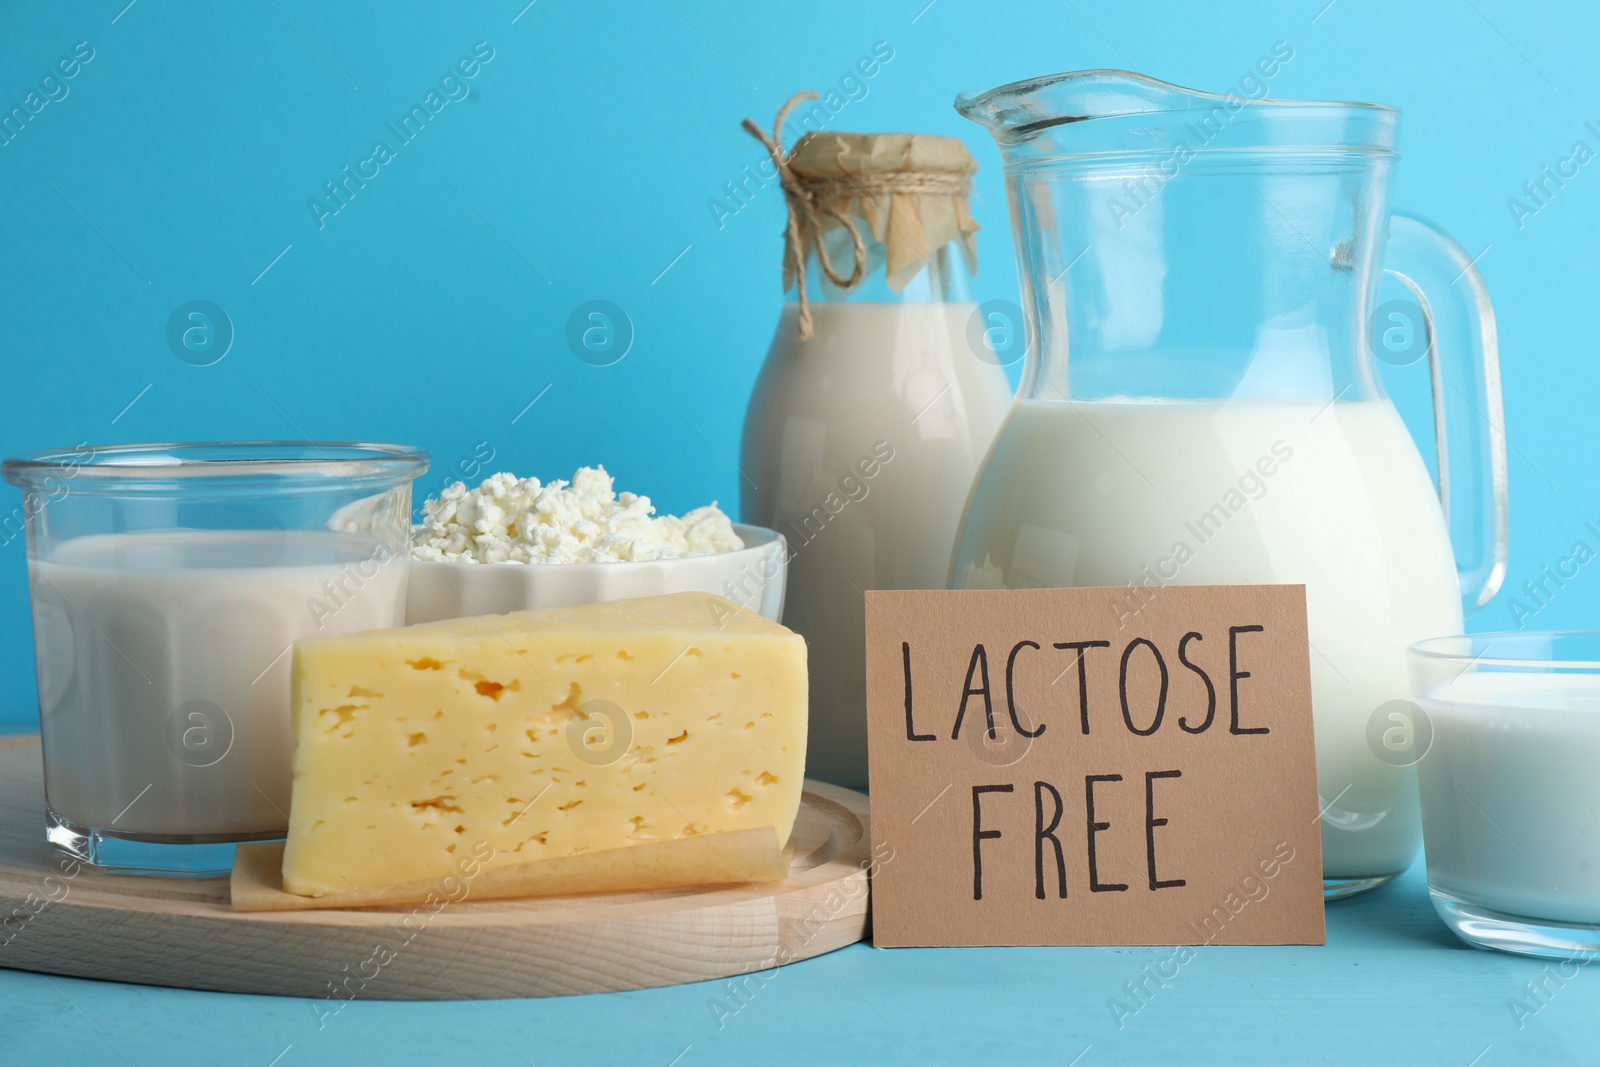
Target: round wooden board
point(182, 932)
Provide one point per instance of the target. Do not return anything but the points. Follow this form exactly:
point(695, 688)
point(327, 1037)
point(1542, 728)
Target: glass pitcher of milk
point(1200, 405)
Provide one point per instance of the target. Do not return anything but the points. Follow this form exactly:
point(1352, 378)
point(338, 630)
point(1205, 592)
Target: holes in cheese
point(623, 723)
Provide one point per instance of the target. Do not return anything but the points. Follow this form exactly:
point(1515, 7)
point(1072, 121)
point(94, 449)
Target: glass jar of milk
point(168, 584)
point(1203, 404)
point(876, 405)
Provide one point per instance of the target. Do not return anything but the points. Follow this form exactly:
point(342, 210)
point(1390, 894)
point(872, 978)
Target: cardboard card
point(1051, 769)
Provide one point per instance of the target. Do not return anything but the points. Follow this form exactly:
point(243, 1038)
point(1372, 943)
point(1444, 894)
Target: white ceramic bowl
point(752, 577)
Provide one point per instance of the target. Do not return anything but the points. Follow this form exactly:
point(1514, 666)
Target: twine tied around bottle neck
point(811, 200)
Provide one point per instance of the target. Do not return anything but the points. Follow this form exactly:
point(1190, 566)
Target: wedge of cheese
point(540, 734)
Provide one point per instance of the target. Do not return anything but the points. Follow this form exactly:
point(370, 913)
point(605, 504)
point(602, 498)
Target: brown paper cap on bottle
point(909, 188)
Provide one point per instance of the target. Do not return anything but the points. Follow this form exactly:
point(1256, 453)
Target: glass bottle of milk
point(877, 403)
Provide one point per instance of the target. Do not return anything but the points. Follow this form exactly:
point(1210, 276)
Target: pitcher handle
point(1458, 325)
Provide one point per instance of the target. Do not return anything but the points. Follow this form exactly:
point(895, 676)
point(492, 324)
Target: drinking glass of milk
point(1202, 403)
point(1508, 730)
point(168, 583)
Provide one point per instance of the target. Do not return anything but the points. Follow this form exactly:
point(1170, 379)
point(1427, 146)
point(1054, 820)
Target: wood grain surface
point(182, 932)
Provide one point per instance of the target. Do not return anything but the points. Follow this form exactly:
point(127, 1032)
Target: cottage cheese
point(518, 520)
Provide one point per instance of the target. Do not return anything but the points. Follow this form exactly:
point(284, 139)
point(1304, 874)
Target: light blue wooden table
point(1392, 986)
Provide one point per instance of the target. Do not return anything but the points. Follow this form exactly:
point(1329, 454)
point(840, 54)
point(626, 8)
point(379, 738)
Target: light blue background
point(433, 309)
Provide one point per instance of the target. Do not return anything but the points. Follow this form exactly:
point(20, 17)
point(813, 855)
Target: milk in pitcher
point(1145, 494)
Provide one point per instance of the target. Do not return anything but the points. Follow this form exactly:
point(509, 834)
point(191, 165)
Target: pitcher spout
point(1022, 109)
point(1120, 111)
